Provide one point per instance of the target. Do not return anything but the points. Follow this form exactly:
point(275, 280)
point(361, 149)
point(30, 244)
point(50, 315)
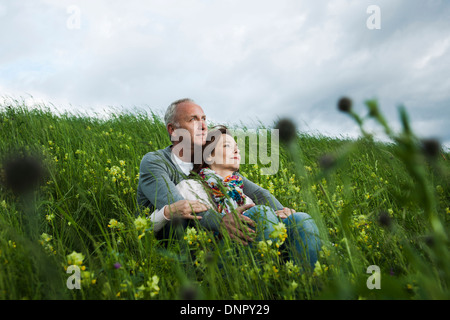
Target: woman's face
point(226, 154)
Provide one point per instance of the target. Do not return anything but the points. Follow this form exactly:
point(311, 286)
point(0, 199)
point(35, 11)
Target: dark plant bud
point(431, 147)
point(429, 240)
point(177, 222)
point(327, 161)
point(188, 292)
point(178, 226)
point(384, 219)
point(23, 174)
point(345, 104)
point(209, 258)
point(287, 130)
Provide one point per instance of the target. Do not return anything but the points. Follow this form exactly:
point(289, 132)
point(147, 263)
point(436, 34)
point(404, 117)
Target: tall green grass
point(383, 204)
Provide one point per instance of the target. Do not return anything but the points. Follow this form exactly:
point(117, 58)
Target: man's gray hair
point(169, 117)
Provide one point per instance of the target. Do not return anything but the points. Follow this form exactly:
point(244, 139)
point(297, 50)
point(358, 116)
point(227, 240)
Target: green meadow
point(68, 198)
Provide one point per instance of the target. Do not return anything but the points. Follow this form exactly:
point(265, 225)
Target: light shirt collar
point(185, 167)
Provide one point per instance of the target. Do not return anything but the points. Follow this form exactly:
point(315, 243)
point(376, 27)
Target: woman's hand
point(284, 213)
point(184, 209)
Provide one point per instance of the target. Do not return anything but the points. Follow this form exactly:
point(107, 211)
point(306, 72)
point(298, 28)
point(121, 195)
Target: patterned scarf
point(227, 192)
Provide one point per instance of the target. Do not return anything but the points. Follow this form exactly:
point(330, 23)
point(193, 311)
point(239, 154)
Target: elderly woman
point(219, 185)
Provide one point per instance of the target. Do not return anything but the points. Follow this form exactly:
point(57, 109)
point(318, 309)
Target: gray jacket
point(158, 176)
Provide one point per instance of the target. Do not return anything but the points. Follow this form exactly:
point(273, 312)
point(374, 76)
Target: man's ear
point(170, 129)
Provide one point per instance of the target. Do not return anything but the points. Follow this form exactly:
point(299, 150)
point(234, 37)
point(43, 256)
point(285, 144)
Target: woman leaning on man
point(218, 184)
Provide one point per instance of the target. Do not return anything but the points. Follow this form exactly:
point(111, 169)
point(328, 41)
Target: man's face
point(191, 117)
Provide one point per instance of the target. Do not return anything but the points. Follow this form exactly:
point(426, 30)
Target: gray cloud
point(242, 61)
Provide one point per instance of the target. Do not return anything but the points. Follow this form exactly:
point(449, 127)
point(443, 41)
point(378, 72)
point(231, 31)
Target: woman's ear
point(209, 156)
point(209, 159)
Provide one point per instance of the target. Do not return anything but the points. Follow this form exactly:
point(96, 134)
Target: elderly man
point(162, 170)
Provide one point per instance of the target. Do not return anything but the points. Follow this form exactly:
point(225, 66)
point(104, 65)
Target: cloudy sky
point(241, 60)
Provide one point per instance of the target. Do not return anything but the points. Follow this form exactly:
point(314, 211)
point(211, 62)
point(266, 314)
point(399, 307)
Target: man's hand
point(238, 225)
point(284, 213)
point(184, 209)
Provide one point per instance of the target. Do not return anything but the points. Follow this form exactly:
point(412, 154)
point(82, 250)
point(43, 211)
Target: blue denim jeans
point(302, 243)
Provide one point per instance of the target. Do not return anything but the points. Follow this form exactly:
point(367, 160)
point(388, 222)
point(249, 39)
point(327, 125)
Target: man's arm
point(260, 195)
point(158, 219)
point(157, 186)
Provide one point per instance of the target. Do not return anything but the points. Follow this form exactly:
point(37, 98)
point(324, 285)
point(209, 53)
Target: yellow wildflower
point(114, 224)
point(140, 223)
point(319, 269)
point(75, 258)
point(294, 285)
point(153, 285)
point(279, 232)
